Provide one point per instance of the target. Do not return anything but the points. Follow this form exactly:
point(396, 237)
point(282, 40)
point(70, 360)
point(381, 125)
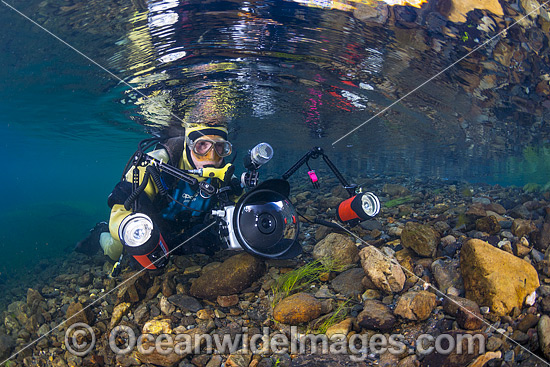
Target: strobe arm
point(315, 153)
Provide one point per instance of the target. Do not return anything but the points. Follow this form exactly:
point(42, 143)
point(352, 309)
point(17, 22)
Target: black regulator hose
point(156, 179)
point(134, 195)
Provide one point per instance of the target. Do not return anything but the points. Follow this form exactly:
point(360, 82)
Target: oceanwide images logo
point(80, 340)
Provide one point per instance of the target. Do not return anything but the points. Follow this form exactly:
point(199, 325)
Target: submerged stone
point(232, 276)
point(495, 278)
point(297, 309)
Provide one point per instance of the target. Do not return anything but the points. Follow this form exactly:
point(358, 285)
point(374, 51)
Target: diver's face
point(211, 158)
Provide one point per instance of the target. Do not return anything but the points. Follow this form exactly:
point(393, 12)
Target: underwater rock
point(232, 276)
point(160, 356)
point(383, 271)
point(228, 301)
point(6, 346)
point(166, 307)
point(157, 327)
point(488, 225)
point(495, 278)
point(168, 285)
point(323, 360)
point(340, 249)
point(78, 313)
point(451, 304)
point(238, 359)
point(447, 274)
point(119, 311)
point(544, 335)
point(341, 328)
point(528, 322)
point(349, 282)
point(376, 315)
point(185, 303)
point(415, 305)
point(522, 227)
point(33, 298)
point(454, 358)
point(469, 318)
point(420, 238)
point(395, 190)
point(297, 309)
point(134, 287)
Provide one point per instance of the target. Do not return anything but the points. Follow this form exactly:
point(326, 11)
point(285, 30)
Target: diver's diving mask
point(202, 146)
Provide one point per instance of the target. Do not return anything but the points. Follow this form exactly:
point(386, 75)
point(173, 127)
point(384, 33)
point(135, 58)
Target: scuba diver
point(153, 213)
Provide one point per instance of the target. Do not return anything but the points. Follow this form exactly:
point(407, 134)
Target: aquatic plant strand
point(439, 73)
point(393, 261)
point(106, 294)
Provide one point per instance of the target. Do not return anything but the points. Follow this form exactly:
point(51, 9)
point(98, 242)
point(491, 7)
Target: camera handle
point(315, 153)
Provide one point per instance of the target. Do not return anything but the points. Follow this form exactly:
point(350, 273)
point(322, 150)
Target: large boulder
point(384, 272)
point(420, 238)
point(338, 248)
point(495, 278)
point(232, 276)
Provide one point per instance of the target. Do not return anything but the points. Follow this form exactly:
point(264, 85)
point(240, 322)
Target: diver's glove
point(143, 241)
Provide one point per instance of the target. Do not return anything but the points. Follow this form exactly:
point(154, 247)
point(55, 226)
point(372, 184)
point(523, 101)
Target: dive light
point(143, 241)
point(258, 156)
point(361, 206)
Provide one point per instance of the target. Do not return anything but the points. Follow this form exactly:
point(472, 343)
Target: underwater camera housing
point(264, 222)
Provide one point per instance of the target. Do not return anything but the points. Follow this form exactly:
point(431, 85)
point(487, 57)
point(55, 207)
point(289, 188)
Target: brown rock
point(228, 301)
point(476, 210)
point(339, 329)
point(494, 207)
point(522, 227)
point(375, 315)
point(33, 298)
point(152, 355)
point(235, 274)
point(338, 248)
point(238, 359)
point(451, 304)
point(488, 224)
point(394, 189)
point(543, 237)
point(297, 309)
point(544, 335)
point(134, 287)
point(495, 278)
point(349, 283)
point(469, 318)
point(455, 359)
point(78, 313)
point(168, 285)
point(119, 311)
point(420, 238)
point(528, 322)
point(384, 273)
point(415, 305)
